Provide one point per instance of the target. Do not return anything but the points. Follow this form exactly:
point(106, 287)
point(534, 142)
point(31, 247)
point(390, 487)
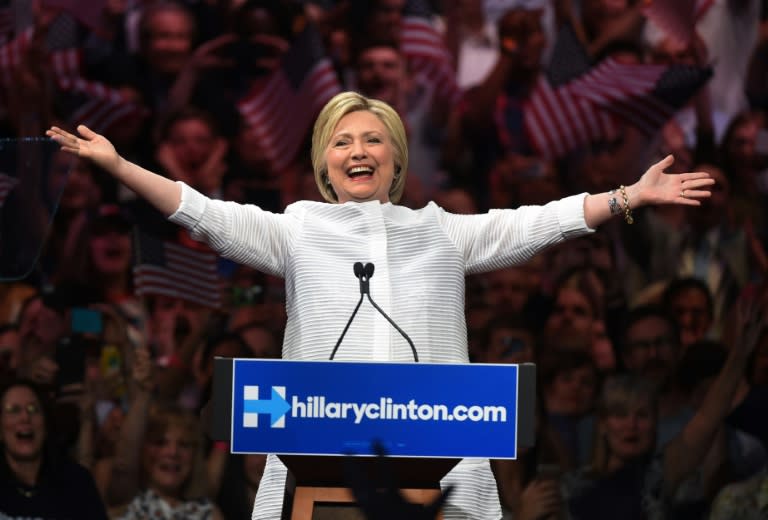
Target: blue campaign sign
point(338, 408)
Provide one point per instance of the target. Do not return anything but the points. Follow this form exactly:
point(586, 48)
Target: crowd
point(649, 336)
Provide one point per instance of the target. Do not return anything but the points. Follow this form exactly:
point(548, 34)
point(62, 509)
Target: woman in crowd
point(628, 477)
point(360, 160)
point(35, 480)
point(158, 470)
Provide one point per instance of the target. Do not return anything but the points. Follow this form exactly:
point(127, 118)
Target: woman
point(34, 481)
point(360, 160)
point(628, 477)
point(158, 470)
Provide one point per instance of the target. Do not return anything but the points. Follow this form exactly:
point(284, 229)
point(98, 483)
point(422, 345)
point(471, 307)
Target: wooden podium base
point(336, 503)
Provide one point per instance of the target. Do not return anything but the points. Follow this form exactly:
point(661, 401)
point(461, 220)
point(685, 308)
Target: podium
point(325, 419)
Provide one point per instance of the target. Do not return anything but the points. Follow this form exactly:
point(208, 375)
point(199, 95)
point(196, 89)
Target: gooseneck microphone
point(364, 274)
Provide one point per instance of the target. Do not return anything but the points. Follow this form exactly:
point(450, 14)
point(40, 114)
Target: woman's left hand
point(658, 187)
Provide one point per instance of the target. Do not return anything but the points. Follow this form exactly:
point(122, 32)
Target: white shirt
point(421, 258)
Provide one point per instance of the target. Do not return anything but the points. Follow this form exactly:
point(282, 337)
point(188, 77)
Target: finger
point(666, 162)
point(86, 132)
point(692, 176)
point(697, 194)
point(58, 134)
point(698, 183)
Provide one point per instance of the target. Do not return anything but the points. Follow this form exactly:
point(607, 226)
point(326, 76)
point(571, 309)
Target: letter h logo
point(276, 407)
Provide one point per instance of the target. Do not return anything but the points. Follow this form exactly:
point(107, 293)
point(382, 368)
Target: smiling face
point(168, 459)
point(360, 158)
point(23, 425)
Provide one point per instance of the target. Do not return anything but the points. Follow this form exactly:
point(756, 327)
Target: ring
point(682, 194)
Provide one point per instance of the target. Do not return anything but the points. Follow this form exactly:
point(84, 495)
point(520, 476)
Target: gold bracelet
point(627, 208)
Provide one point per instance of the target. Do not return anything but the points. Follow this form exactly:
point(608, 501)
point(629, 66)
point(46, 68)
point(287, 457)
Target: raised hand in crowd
point(122, 473)
point(208, 56)
point(685, 452)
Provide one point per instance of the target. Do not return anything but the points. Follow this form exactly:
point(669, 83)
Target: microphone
point(364, 274)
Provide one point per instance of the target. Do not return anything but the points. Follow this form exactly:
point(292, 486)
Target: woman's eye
point(374, 140)
point(340, 143)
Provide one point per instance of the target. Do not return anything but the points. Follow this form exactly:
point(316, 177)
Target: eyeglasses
point(14, 410)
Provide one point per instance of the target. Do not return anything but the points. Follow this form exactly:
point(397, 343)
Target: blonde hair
point(620, 394)
point(161, 419)
point(338, 107)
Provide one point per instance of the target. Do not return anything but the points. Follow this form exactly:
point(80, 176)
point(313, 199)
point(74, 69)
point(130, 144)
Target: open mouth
point(360, 172)
point(25, 436)
point(169, 467)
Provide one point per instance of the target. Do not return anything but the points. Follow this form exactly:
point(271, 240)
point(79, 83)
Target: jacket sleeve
point(243, 233)
point(505, 237)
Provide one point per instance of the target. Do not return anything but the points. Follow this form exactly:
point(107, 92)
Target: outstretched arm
point(654, 187)
point(164, 194)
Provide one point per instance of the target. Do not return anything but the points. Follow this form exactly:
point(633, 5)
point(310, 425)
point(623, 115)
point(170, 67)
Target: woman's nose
point(358, 150)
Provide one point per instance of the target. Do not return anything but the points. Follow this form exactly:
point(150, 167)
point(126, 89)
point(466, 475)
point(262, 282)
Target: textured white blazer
point(421, 258)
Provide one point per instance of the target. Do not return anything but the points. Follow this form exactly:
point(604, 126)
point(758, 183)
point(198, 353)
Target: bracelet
point(627, 208)
point(613, 204)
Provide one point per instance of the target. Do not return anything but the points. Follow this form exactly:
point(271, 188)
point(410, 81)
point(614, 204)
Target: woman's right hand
point(92, 146)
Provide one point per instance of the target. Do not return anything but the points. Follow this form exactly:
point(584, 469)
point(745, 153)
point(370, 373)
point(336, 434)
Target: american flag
point(568, 109)
point(172, 269)
point(91, 103)
point(424, 49)
point(280, 108)
point(7, 183)
point(99, 107)
point(677, 18)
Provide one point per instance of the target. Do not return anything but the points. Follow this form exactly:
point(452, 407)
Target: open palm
point(91, 145)
point(659, 187)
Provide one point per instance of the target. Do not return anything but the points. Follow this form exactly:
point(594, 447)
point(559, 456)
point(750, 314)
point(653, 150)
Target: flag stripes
point(281, 108)
point(174, 270)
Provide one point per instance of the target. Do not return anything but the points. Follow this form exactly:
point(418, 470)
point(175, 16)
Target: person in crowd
point(487, 127)
point(44, 322)
point(576, 319)
point(360, 159)
point(191, 150)
point(102, 256)
point(569, 382)
point(628, 477)
point(650, 348)
point(507, 339)
point(381, 72)
point(177, 329)
point(158, 470)
point(689, 302)
point(529, 486)
point(36, 479)
point(747, 500)
point(734, 454)
point(235, 480)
